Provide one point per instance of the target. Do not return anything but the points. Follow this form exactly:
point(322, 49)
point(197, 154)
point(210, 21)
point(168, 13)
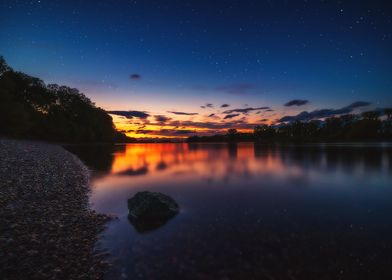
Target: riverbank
point(47, 230)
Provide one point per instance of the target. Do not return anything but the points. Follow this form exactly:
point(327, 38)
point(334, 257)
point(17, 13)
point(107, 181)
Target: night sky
point(173, 68)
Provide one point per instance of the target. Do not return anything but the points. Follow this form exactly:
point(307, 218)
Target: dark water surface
point(249, 211)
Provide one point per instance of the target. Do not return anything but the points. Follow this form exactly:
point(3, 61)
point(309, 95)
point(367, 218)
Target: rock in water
point(150, 210)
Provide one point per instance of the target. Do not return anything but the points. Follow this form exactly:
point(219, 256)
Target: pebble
point(48, 229)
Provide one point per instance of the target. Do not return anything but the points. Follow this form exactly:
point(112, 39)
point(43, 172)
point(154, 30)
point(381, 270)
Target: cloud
point(176, 132)
point(237, 89)
point(324, 113)
point(225, 105)
point(211, 115)
point(185, 128)
point(188, 127)
point(130, 114)
point(144, 131)
point(215, 125)
point(230, 116)
point(296, 102)
point(245, 110)
point(182, 113)
point(135, 77)
point(208, 105)
point(161, 118)
point(167, 132)
point(358, 104)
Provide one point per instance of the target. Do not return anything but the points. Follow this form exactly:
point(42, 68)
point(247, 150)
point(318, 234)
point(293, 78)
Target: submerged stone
point(150, 210)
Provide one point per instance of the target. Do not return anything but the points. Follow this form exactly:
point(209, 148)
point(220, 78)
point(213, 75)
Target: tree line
point(368, 126)
point(30, 109)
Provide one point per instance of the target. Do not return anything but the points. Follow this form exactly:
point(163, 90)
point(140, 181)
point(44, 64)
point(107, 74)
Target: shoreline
point(47, 229)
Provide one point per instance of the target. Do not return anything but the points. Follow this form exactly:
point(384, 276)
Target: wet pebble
point(47, 230)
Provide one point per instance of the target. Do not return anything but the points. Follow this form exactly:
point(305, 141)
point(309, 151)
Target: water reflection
point(249, 211)
point(135, 172)
point(143, 226)
point(98, 157)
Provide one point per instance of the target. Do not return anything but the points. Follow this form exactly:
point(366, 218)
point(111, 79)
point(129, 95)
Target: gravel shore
point(47, 230)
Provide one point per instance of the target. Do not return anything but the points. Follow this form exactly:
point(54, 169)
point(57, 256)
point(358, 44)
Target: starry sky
point(176, 68)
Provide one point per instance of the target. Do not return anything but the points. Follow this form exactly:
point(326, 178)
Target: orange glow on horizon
point(151, 129)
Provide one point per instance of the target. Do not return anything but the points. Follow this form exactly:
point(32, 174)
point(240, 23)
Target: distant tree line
point(369, 126)
point(32, 110)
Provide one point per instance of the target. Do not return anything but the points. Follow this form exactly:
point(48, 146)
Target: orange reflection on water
point(213, 160)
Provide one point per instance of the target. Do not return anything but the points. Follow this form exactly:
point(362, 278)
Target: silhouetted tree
point(388, 113)
point(264, 133)
point(386, 127)
point(3, 66)
point(31, 109)
point(365, 127)
point(232, 134)
point(371, 115)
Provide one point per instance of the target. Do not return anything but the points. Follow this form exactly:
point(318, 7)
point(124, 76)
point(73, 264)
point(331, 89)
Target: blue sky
point(188, 53)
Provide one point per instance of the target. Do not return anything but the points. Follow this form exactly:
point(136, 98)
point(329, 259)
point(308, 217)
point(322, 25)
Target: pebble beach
point(47, 229)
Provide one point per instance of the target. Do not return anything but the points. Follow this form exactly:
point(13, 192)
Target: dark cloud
point(213, 127)
point(211, 115)
point(182, 113)
point(161, 118)
point(222, 125)
point(176, 132)
point(245, 110)
point(144, 131)
point(135, 77)
point(324, 113)
point(167, 132)
point(358, 104)
point(296, 102)
point(230, 116)
point(130, 114)
point(238, 89)
point(208, 125)
point(186, 128)
point(208, 105)
point(225, 105)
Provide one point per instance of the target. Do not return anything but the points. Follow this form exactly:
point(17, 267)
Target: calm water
point(249, 211)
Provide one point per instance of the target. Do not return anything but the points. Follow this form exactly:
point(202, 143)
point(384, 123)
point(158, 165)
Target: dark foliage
point(370, 126)
point(30, 109)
